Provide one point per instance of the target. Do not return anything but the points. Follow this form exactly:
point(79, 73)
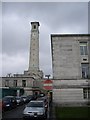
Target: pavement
point(52, 112)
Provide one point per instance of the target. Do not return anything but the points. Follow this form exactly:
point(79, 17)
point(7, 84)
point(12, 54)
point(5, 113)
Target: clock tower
point(34, 47)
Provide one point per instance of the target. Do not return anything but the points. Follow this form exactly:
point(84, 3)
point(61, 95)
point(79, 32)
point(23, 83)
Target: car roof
point(42, 98)
point(8, 96)
point(36, 101)
point(18, 97)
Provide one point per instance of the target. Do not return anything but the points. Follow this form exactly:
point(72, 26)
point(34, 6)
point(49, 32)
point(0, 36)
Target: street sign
point(48, 85)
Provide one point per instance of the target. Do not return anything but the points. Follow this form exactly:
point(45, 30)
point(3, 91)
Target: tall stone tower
point(33, 69)
point(34, 47)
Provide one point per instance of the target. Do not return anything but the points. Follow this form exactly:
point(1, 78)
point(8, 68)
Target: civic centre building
point(71, 68)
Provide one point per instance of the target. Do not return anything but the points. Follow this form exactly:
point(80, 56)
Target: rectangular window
point(86, 93)
point(23, 83)
point(83, 48)
point(85, 70)
point(15, 83)
point(6, 83)
point(34, 26)
point(89, 93)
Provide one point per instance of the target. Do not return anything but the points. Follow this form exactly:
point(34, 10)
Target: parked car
point(35, 109)
point(45, 99)
point(30, 97)
point(19, 100)
point(25, 99)
point(34, 97)
point(8, 102)
point(41, 95)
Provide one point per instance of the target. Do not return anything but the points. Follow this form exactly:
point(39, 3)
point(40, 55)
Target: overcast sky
point(53, 18)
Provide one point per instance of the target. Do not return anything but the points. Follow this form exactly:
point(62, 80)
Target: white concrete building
point(71, 68)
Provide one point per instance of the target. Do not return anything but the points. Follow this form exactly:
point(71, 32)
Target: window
point(86, 93)
point(6, 83)
point(85, 70)
point(83, 48)
point(15, 83)
point(23, 83)
point(34, 26)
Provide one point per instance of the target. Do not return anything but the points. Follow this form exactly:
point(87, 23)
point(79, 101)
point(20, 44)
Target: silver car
point(35, 109)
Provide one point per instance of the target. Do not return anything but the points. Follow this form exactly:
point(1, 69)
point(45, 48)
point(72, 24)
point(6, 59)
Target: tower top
point(35, 23)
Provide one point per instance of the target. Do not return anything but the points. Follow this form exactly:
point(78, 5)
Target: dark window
point(34, 26)
point(85, 70)
point(6, 83)
point(84, 59)
point(83, 48)
point(15, 83)
point(86, 93)
point(23, 83)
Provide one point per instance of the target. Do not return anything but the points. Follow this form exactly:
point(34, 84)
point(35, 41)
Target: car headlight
point(8, 105)
point(40, 113)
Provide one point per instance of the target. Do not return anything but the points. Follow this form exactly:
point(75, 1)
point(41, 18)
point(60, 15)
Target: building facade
point(71, 68)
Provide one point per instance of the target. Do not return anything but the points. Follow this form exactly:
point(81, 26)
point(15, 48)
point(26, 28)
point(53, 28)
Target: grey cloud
point(15, 37)
point(15, 63)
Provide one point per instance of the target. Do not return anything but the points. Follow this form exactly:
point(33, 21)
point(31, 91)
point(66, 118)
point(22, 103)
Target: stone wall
point(69, 97)
point(66, 58)
point(71, 83)
point(69, 92)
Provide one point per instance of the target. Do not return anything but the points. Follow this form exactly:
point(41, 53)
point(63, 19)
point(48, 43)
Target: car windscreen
point(35, 104)
point(24, 97)
point(18, 98)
